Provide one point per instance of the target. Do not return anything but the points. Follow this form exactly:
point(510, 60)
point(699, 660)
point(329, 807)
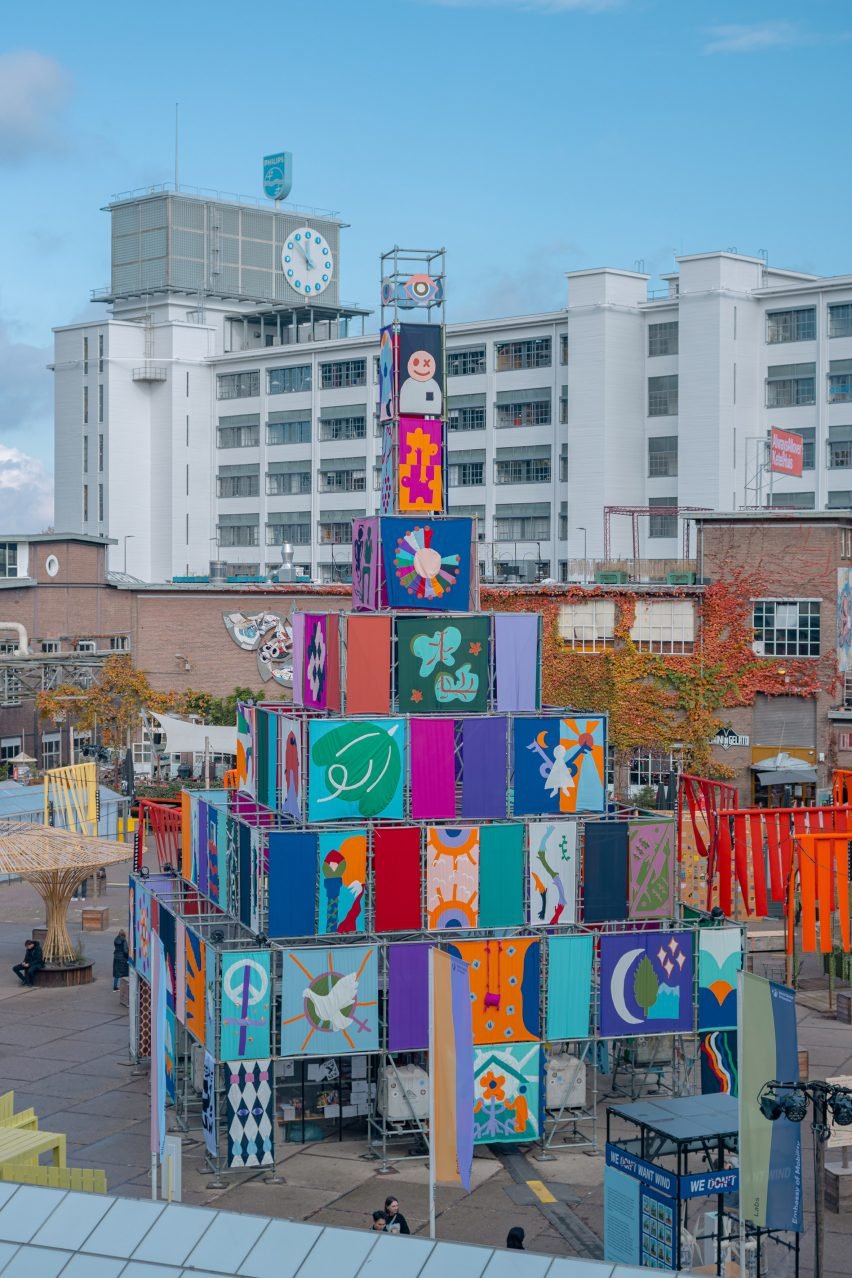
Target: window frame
point(793, 334)
point(775, 648)
point(663, 635)
point(465, 358)
point(249, 379)
point(340, 374)
point(660, 399)
point(602, 626)
point(663, 341)
point(523, 353)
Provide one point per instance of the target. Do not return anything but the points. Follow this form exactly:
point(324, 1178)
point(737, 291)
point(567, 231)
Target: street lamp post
point(585, 556)
point(127, 537)
point(791, 1101)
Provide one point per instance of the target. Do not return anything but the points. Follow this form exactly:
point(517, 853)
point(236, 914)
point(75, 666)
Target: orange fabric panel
point(758, 865)
point(368, 665)
point(777, 886)
point(725, 867)
point(824, 858)
point(807, 886)
point(841, 881)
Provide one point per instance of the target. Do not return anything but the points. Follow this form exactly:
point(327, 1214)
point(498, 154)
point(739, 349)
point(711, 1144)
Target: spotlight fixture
point(144, 871)
point(217, 936)
point(794, 1106)
point(841, 1108)
point(261, 939)
point(770, 1106)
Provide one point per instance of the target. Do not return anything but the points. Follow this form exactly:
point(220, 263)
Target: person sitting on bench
point(33, 962)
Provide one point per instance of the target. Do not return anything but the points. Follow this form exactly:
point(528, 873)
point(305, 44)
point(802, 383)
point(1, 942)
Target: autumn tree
point(112, 704)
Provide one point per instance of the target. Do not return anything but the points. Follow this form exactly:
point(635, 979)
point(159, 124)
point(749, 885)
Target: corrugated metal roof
point(54, 1234)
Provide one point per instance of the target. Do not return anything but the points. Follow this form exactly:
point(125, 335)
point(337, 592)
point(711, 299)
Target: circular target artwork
point(422, 570)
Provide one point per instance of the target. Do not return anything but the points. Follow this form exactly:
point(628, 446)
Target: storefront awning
point(788, 776)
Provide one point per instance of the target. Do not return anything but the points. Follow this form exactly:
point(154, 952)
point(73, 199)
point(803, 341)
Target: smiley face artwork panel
point(421, 370)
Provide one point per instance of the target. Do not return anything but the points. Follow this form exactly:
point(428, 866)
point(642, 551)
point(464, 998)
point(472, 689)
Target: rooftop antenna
point(177, 146)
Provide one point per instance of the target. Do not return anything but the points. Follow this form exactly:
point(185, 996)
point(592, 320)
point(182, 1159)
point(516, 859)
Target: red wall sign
point(785, 452)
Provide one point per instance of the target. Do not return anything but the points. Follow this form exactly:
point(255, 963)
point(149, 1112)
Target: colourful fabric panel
point(718, 1051)
point(355, 768)
point(552, 873)
point(605, 871)
point(316, 662)
point(443, 663)
point(244, 862)
point(517, 660)
point(196, 959)
point(433, 769)
point(408, 997)
point(292, 884)
point(504, 985)
point(368, 663)
point(186, 835)
point(329, 1001)
point(559, 765)
point(452, 877)
point(298, 623)
point(452, 1064)
point(245, 1005)
point(366, 564)
point(427, 565)
point(396, 875)
point(484, 781)
point(652, 868)
point(507, 1090)
point(342, 881)
point(569, 987)
point(646, 983)
point(501, 876)
point(332, 627)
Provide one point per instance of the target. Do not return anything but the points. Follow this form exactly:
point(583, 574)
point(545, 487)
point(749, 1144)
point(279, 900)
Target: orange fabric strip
point(758, 866)
point(840, 849)
point(823, 867)
point(443, 1063)
point(368, 662)
point(725, 868)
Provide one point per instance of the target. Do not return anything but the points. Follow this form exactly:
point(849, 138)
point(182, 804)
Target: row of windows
point(798, 324)
point(8, 559)
point(781, 392)
point(86, 403)
point(470, 474)
point(331, 430)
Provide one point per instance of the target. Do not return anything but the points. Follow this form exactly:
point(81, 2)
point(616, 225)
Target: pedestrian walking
point(120, 955)
point(515, 1239)
point(379, 1221)
point(396, 1222)
point(33, 962)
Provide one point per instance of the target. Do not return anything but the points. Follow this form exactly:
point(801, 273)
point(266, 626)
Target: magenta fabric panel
point(433, 769)
point(298, 623)
point(516, 660)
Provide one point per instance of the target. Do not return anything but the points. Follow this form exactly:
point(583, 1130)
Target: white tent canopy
point(183, 737)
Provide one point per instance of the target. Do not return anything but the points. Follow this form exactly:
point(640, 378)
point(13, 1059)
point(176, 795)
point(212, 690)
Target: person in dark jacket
point(396, 1222)
point(120, 955)
point(33, 962)
point(379, 1221)
point(515, 1239)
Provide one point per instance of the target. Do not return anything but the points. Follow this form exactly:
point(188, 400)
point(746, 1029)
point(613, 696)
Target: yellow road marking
point(541, 1191)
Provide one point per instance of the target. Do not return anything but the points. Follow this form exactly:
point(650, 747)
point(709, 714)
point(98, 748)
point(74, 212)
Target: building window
point(335, 428)
point(522, 528)
point(536, 412)
point(85, 355)
point(100, 453)
point(85, 454)
point(100, 503)
point(662, 525)
point(791, 326)
point(794, 501)
point(563, 348)
point(342, 481)
point(238, 385)
point(840, 381)
point(563, 406)
point(840, 320)
point(9, 747)
point(654, 767)
point(587, 627)
point(85, 645)
point(100, 352)
point(563, 464)
point(786, 627)
point(85, 503)
point(119, 643)
point(288, 483)
point(790, 385)
point(288, 432)
point(664, 625)
point(85, 405)
point(10, 688)
point(296, 534)
point(839, 447)
point(343, 372)
point(465, 474)
point(280, 381)
point(336, 572)
point(466, 363)
point(529, 470)
point(335, 532)
point(237, 433)
point(237, 485)
point(662, 396)
point(50, 746)
point(840, 499)
point(237, 535)
point(49, 645)
point(459, 419)
point(533, 353)
point(663, 338)
point(100, 402)
point(662, 457)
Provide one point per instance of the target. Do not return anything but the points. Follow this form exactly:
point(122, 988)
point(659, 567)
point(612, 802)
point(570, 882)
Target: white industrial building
point(216, 412)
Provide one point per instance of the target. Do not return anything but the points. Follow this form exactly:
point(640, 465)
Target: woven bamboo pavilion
point(55, 861)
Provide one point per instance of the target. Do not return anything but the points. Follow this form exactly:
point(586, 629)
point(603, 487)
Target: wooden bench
point(17, 1146)
point(89, 1180)
point(27, 1118)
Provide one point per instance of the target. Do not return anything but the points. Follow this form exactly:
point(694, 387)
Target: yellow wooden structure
point(26, 1118)
point(88, 1180)
point(72, 793)
point(19, 1146)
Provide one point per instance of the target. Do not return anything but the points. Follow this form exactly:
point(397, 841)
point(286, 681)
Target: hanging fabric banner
point(368, 665)
point(420, 468)
point(720, 957)
point(443, 663)
point(452, 877)
point(451, 1058)
point(553, 873)
point(504, 985)
point(507, 1086)
point(245, 1005)
point(517, 645)
point(569, 987)
point(718, 1051)
point(433, 769)
point(559, 765)
point(316, 663)
point(408, 997)
point(342, 882)
point(298, 622)
point(396, 878)
point(501, 876)
point(329, 999)
point(427, 565)
point(355, 769)
point(196, 959)
point(208, 1106)
point(250, 1118)
point(605, 850)
point(484, 767)
point(158, 1050)
point(652, 869)
point(645, 983)
point(292, 884)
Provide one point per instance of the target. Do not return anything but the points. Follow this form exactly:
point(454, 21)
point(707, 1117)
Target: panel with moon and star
point(646, 983)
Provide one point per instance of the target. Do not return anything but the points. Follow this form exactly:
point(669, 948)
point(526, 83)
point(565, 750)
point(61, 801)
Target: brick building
point(75, 614)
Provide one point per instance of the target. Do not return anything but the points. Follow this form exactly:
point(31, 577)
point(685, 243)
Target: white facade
point(591, 406)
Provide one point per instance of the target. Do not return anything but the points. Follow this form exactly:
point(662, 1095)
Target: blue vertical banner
point(158, 1048)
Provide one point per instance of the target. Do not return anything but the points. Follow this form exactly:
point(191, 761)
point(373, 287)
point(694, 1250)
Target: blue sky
point(530, 137)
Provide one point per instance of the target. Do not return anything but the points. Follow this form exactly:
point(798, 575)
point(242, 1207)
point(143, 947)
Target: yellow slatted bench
point(88, 1180)
point(8, 1118)
point(17, 1146)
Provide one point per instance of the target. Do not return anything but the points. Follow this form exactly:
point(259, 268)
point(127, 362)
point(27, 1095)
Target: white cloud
point(754, 37)
point(26, 390)
point(533, 6)
point(34, 91)
point(26, 492)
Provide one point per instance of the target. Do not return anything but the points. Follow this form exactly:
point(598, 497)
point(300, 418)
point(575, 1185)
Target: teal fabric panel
point(501, 876)
point(569, 987)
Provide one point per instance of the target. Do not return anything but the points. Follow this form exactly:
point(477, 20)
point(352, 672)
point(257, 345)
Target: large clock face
point(307, 262)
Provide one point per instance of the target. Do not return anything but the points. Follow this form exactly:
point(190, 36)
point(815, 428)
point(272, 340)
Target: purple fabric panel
point(516, 642)
point(298, 623)
point(463, 1034)
point(408, 998)
point(484, 782)
point(433, 769)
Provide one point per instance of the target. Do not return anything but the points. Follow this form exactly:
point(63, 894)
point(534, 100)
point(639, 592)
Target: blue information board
point(278, 175)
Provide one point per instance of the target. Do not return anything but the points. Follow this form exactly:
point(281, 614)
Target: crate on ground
point(95, 918)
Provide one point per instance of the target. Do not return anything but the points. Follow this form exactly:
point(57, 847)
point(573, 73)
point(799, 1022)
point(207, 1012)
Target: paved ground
point(65, 1053)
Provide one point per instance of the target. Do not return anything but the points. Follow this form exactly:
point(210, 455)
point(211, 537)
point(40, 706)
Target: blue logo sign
point(278, 175)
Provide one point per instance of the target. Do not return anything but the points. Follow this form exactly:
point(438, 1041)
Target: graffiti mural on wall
point(268, 635)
